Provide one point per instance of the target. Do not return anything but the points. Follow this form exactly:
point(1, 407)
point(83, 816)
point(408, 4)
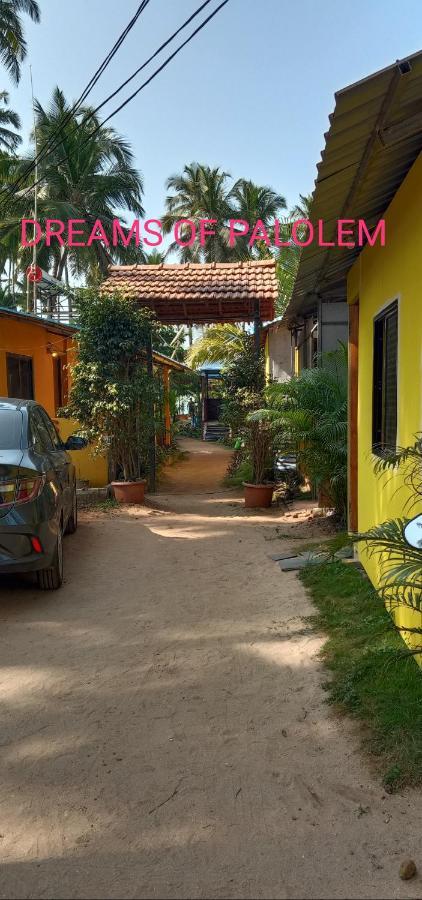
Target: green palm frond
point(13, 48)
point(219, 343)
point(89, 175)
point(308, 416)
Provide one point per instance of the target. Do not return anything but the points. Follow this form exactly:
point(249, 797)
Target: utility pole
point(34, 249)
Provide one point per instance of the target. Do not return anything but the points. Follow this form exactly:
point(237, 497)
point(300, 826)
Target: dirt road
point(163, 726)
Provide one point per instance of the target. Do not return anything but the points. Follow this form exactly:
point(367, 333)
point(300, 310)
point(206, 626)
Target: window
point(20, 382)
point(40, 434)
point(48, 439)
point(49, 427)
point(384, 388)
point(10, 429)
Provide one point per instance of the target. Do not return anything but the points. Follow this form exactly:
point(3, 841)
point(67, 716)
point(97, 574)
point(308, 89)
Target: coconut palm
point(12, 41)
point(219, 343)
point(199, 192)
point(288, 258)
point(302, 209)
point(154, 258)
point(253, 203)
point(9, 140)
point(309, 418)
point(88, 176)
point(400, 564)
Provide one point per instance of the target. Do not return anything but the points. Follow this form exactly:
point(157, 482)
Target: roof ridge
point(235, 264)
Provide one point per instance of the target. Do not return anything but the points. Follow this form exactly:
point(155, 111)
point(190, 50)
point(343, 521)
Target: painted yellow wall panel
point(267, 357)
point(88, 466)
point(380, 276)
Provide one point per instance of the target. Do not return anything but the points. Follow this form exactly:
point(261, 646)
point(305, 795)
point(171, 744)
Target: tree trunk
point(62, 263)
point(151, 418)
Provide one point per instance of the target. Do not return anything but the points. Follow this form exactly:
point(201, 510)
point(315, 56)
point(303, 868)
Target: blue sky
point(251, 93)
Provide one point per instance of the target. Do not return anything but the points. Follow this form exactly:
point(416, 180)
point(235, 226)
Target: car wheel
point(52, 578)
point(72, 523)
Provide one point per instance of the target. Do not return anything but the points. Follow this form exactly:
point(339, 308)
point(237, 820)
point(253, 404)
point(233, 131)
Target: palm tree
point(400, 582)
point(288, 258)
point(219, 343)
point(253, 203)
point(302, 209)
point(154, 258)
point(12, 42)
point(9, 140)
point(199, 192)
point(88, 176)
point(309, 418)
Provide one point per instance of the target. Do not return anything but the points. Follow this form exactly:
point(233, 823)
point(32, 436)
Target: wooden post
point(167, 417)
point(353, 414)
point(204, 396)
point(151, 422)
point(257, 328)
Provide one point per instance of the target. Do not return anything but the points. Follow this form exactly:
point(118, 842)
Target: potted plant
point(112, 392)
point(259, 492)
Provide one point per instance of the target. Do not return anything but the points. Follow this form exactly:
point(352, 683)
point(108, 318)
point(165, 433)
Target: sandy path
point(163, 727)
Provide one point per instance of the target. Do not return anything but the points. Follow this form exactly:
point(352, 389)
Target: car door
point(60, 461)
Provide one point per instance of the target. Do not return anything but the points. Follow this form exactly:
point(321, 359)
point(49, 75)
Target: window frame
point(26, 359)
point(380, 447)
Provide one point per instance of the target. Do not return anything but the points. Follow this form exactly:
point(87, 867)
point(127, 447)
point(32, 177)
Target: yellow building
point(371, 169)
point(383, 289)
point(34, 357)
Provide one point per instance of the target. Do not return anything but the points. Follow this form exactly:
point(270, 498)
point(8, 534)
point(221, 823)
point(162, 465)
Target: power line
point(142, 86)
point(157, 52)
point(44, 151)
point(163, 65)
point(93, 112)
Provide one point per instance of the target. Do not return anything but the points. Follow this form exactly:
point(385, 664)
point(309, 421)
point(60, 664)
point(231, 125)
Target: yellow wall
point(267, 357)
point(379, 276)
point(88, 466)
point(28, 339)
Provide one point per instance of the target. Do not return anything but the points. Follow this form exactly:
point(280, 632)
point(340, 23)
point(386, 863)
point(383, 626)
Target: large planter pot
point(258, 495)
point(129, 491)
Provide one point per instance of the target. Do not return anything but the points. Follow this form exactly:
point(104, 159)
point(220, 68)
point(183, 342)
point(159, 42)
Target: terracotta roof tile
point(199, 292)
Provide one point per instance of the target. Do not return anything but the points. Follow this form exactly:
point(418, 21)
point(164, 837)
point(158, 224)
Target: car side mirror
point(75, 442)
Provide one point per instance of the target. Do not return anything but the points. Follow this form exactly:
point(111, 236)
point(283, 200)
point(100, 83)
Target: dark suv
point(37, 492)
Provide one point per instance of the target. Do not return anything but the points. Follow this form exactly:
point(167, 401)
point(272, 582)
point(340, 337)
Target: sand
point(164, 731)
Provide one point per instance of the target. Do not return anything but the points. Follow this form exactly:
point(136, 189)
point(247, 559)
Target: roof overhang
point(199, 293)
point(166, 362)
point(49, 324)
point(374, 138)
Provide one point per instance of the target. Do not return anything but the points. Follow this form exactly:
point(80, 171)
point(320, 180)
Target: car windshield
point(10, 429)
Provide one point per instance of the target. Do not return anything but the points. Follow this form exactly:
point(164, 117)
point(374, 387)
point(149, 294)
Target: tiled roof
point(194, 293)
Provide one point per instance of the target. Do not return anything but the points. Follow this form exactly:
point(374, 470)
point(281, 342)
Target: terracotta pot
point(258, 495)
point(129, 491)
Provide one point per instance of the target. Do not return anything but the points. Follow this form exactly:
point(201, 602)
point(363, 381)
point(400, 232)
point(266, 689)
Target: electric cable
point(139, 89)
point(46, 148)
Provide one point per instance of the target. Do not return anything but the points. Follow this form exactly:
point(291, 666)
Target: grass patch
point(371, 677)
point(107, 505)
point(242, 473)
point(330, 545)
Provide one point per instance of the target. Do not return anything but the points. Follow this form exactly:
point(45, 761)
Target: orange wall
point(28, 339)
